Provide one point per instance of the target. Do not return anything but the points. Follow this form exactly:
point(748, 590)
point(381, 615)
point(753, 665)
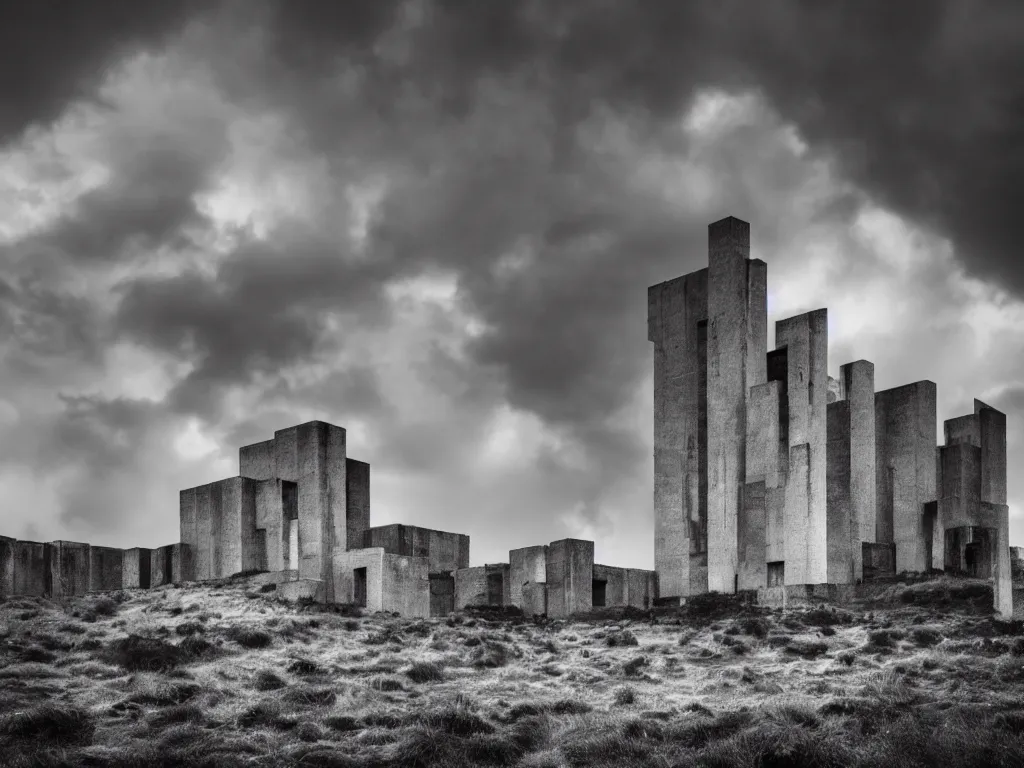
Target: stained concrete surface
point(106, 568)
point(444, 551)
point(526, 564)
point(570, 565)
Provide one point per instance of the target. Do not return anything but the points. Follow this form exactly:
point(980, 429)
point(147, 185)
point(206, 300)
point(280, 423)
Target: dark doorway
point(168, 565)
point(495, 588)
point(972, 558)
point(600, 589)
point(261, 549)
point(442, 594)
point(776, 573)
point(290, 499)
point(359, 588)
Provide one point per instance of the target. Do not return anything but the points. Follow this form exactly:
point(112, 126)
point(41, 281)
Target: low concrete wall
point(302, 589)
point(406, 585)
point(7, 560)
point(135, 568)
point(641, 588)
point(31, 566)
point(570, 567)
point(344, 565)
point(445, 551)
point(442, 593)
point(106, 568)
point(534, 599)
point(525, 565)
point(613, 582)
point(67, 569)
point(480, 586)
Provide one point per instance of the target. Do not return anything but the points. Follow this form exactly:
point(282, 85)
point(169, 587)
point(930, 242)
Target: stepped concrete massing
point(770, 474)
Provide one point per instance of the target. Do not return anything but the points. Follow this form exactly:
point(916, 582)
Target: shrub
point(304, 667)
point(141, 654)
point(266, 680)
point(456, 721)
point(807, 649)
point(386, 683)
point(925, 637)
point(633, 666)
point(343, 723)
point(756, 626)
point(35, 653)
point(621, 638)
point(425, 672)
point(104, 606)
point(311, 696)
point(54, 723)
point(268, 588)
point(625, 695)
point(248, 637)
point(490, 655)
point(194, 647)
point(189, 628)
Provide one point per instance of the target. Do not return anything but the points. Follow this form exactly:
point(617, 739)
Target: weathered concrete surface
point(879, 560)
point(445, 551)
point(395, 583)
point(535, 599)
point(729, 328)
point(525, 565)
point(7, 562)
point(960, 485)
point(442, 594)
point(31, 565)
point(763, 413)
point(106, 568)
point(67, 570)
point(794, 595)
point(161, 566)
point(270, 519)
point(482, 585)
point(753, 537)
point(322, 480)
point(677, 325)
point(962, 429)
point(1002, 573)
point(357, 504)
point(570, 566)
point(839, 507)
point(905, 426)
point(858, 385)
point(302, 589)
point(188, 525)
point(182, 562)
point(256, 461)
point(135, 568)
point(805, 338)
point(641, 587)
point(609, 586)
point(992, 426)
point(236, 544)
point(346, 563)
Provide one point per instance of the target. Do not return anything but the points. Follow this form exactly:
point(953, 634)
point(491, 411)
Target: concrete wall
point(442, 594)
point(445, 551)
point(736, 335)
point(905, 426)
point(161, 566)
point(641, 587)
point(7, 563)
point(67, 569)
point(879, 560)
point(473, 586)
point(188, 525)
point(406, 585)
point(676, 310)
point(527, 564)
point(535, 599)
point(805, 338)
point(106, 568)
point(839, 508)
point(615, 589)
point(569, 567)
point(753, 537)
point(270, 518)
point(345, 562)
point(858, 385)
point(763, 479)
point(256, 461)
point(31, 563)
point(135, 568)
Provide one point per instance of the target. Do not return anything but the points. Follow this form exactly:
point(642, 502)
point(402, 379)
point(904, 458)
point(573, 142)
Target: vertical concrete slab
point(858, 383)
point(406, 585)
point(235, 546)
point(677, 325)
point(727, 330)
point(775, 523)
point(525, 565)
point(470, 587)
point(841, 533)
point(762, 459)
point(757, 321)
point(208, 505)
point(256, 461)
point(106, 569)
point(322, 498)
point(8, 558)
point(905, 422)
point(1002, 575)
point(963, 429)
point(960, 492)
point(609, 583)
point(806, 340)
point(270, 517)
point(357, 504)
point(442, 594)
point(569, 567)
point(158, 567)
point(182, 563)
point(753, 537)
point(641, 588)
point(68, 572)
point(135, 568)
point(189, 526)
point(535, 599)
point(30, 568)
point(992, 428)
point(286, 454)
point(345, 562)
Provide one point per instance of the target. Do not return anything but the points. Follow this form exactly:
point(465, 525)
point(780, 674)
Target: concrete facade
point(444, 551)
point(7, 566)
point(379, 581)
point(569, 568)
point(482, 585)
point(527, 565)
point(67, 569)
point(135, 568)
point(771, 474)
point(106, 568)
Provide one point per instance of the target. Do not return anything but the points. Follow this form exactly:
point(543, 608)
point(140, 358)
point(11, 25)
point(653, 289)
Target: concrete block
point(406, 585)
point(444, 551)
point(843, 534)
point(879, 560)
point(182, 562)
point(235, 546)
point(359, 577)
point(1018, 603)
point(525, 565)
point(992, 428)
point(357, 504)
point(804, 595)
point(677, 325)
point(762, 450)
point(256, 461)
point(753, 537)
point(67, 569)
point(31, 568)
point(272, 526)
point(905, 425)
point(960, 490)
point(482, 585)
point(963, 429)
point(161, 566)
point(301, 589)
point(535, 599)
point(8, 557)
point(775, 522)
point(858, 383)
point(106, 569)
point(608, 586)
point(188, 521)
point(1002, 574)
point(641, 588)
point(442, 594)
point(136, 568)
point(569, 567)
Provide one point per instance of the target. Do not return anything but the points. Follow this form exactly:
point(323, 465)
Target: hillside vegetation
point(223, 675)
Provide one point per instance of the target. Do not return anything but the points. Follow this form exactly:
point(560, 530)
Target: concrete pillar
point(135, 568)
point(525, 565)
point(841, 524)
point(805, 338)
point(357, 502)
point(106, 568)
point(256, 461)
point(7, 560)
point(347, 563)
point(188, 501)
point(730, 326)
point(992, 429)
point(569, 568)
point(31, 564)
point(905, 477)
point(677, 325)
point(235, 539)
point(270, 518)
point(859, 389)
point(67, 569)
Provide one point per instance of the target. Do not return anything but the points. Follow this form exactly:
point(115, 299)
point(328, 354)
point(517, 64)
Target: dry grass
point(224, 675)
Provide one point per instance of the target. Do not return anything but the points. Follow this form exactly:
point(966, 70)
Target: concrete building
point(770, 475)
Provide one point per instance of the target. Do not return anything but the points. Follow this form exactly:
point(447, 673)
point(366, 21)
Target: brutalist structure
point(770, 475)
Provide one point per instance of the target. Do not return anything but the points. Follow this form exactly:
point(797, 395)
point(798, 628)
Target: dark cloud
point(53, 52)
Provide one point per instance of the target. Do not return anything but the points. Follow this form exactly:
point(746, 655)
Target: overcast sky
point(434, 224)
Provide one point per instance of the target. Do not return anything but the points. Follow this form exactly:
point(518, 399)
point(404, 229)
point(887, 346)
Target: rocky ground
point(224, 675)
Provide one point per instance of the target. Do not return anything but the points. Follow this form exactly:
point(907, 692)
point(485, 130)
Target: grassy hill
point(223, 675)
